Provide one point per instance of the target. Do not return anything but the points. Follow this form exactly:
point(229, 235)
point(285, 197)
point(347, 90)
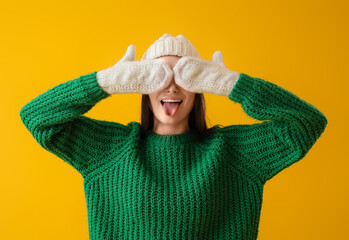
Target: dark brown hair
point(196, 116)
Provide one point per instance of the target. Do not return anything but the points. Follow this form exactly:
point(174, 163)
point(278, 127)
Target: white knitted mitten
point(201, 76)
point(129, 76)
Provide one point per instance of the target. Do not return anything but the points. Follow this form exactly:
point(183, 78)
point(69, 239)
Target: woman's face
point(176, 122)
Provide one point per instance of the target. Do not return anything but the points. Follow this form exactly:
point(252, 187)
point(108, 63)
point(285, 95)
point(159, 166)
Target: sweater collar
point(186, 137)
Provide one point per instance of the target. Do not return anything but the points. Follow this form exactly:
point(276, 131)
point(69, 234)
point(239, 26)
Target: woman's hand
point(201, 76)
point(130, 76)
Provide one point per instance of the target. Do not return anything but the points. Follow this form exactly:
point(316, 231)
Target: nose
point(173, 87)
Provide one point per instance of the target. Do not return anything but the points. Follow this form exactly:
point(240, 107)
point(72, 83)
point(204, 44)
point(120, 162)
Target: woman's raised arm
point(55, 119)
point(291, 126)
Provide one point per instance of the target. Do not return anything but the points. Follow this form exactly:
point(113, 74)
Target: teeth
point(170, 100)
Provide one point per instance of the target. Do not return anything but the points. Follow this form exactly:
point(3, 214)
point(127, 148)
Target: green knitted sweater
point(181, 186)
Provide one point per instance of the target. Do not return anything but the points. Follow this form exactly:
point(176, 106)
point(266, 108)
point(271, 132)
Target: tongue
point(170, 108)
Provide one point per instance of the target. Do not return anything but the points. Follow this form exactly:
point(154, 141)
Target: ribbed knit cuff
point(92, 89)
point(242, 88)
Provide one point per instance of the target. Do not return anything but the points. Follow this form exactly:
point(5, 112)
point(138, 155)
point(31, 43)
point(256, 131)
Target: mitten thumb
point(217, 58)
point(130, 54)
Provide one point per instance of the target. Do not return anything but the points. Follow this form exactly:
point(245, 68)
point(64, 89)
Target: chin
point(171, 119)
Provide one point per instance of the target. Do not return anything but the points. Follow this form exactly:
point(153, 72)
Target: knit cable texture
point(181, 186)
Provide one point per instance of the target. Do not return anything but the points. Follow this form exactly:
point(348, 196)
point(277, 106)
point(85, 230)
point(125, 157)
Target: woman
point(171, 177)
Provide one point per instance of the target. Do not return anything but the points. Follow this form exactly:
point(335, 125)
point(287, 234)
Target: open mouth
point(170, 106)
point(171, 101)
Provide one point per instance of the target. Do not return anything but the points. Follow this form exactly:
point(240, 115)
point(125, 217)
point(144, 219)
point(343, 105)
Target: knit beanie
point(169, 45)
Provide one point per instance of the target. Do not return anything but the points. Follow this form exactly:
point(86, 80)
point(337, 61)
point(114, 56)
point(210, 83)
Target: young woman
point(171, 177)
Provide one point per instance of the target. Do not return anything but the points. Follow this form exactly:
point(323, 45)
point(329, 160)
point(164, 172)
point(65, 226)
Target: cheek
point(155, 108)
point(191, 104)
point(193, 101)
point(151, 102)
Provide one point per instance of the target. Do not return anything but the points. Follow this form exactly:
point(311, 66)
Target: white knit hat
point(169, 45)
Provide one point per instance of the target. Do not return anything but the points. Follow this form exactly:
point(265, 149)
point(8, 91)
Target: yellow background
point(299, 45)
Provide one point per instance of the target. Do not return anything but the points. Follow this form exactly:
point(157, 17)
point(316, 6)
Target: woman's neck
point(170, 129)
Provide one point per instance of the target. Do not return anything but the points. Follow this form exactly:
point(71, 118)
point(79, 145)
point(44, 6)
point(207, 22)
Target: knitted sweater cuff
point(242, 88)
point(92, 89)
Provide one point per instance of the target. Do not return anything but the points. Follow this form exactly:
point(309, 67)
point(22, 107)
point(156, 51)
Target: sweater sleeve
point(55, 119)
point(291, 126)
